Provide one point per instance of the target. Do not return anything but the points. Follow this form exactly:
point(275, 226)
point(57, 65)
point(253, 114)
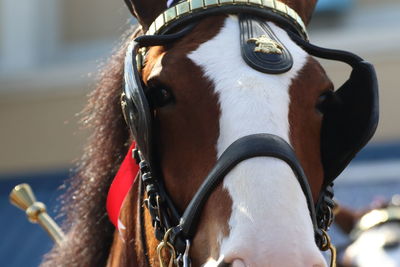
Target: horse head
point(227, 133)
point(237, 145)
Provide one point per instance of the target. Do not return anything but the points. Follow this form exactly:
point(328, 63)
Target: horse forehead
point(221, 56)
point(236, 82)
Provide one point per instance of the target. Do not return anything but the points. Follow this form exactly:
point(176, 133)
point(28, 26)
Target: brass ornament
point(169, 249)
point(266, 45)
point(22, 197)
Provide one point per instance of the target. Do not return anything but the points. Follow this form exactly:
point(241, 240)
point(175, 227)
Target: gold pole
point(22, 197)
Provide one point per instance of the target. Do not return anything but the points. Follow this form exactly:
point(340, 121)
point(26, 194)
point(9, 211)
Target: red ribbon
point(121, 185)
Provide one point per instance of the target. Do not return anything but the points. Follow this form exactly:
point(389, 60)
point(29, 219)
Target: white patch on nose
point(270, 223)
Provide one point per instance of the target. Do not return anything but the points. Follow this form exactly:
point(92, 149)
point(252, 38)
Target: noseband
point(176, 232)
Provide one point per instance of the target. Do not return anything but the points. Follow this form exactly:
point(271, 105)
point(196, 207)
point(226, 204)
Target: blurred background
point(50, 51)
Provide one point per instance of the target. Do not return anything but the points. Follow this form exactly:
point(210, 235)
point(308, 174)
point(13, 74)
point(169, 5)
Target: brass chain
point(327, 245)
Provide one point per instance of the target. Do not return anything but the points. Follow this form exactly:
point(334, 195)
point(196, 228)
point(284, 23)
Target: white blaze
point(270, 223)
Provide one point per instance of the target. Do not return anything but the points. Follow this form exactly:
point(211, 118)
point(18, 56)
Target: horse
point(238, 135)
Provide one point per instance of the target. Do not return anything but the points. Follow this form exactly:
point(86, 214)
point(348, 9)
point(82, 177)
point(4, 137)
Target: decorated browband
point(191, 7)
point(190, 10)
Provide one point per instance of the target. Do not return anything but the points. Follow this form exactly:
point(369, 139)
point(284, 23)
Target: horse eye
point(165, 94)
point(159, 96)
point(324, 101)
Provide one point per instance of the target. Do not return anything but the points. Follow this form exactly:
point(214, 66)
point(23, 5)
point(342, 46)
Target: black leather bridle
point(174, 231)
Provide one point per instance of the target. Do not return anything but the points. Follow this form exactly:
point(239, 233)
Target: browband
point(193, 9)
point(189, 11)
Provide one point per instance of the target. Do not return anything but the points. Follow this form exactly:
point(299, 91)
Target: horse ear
point(146, 11)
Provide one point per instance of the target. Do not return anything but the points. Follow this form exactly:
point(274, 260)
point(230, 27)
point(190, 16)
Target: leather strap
point(351, 122)
point(251, 146)
point(326, 53)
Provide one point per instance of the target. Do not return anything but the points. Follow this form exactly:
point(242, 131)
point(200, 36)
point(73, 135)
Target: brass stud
point(255, 2)
point(300, 21)
point(291, 12)
point(226, 2)
point(303, 26)
point(268, 3)
point(170, 14)
point(210, 3)
point(196, 4)
point(152, 29)
point(159, 22)
point(182, 8)
point(280, 7)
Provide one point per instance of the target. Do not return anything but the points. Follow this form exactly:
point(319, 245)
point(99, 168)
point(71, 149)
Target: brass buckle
point(327, 245)
point(165, 244)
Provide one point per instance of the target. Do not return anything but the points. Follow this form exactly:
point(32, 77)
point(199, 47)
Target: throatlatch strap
point(121, 185)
